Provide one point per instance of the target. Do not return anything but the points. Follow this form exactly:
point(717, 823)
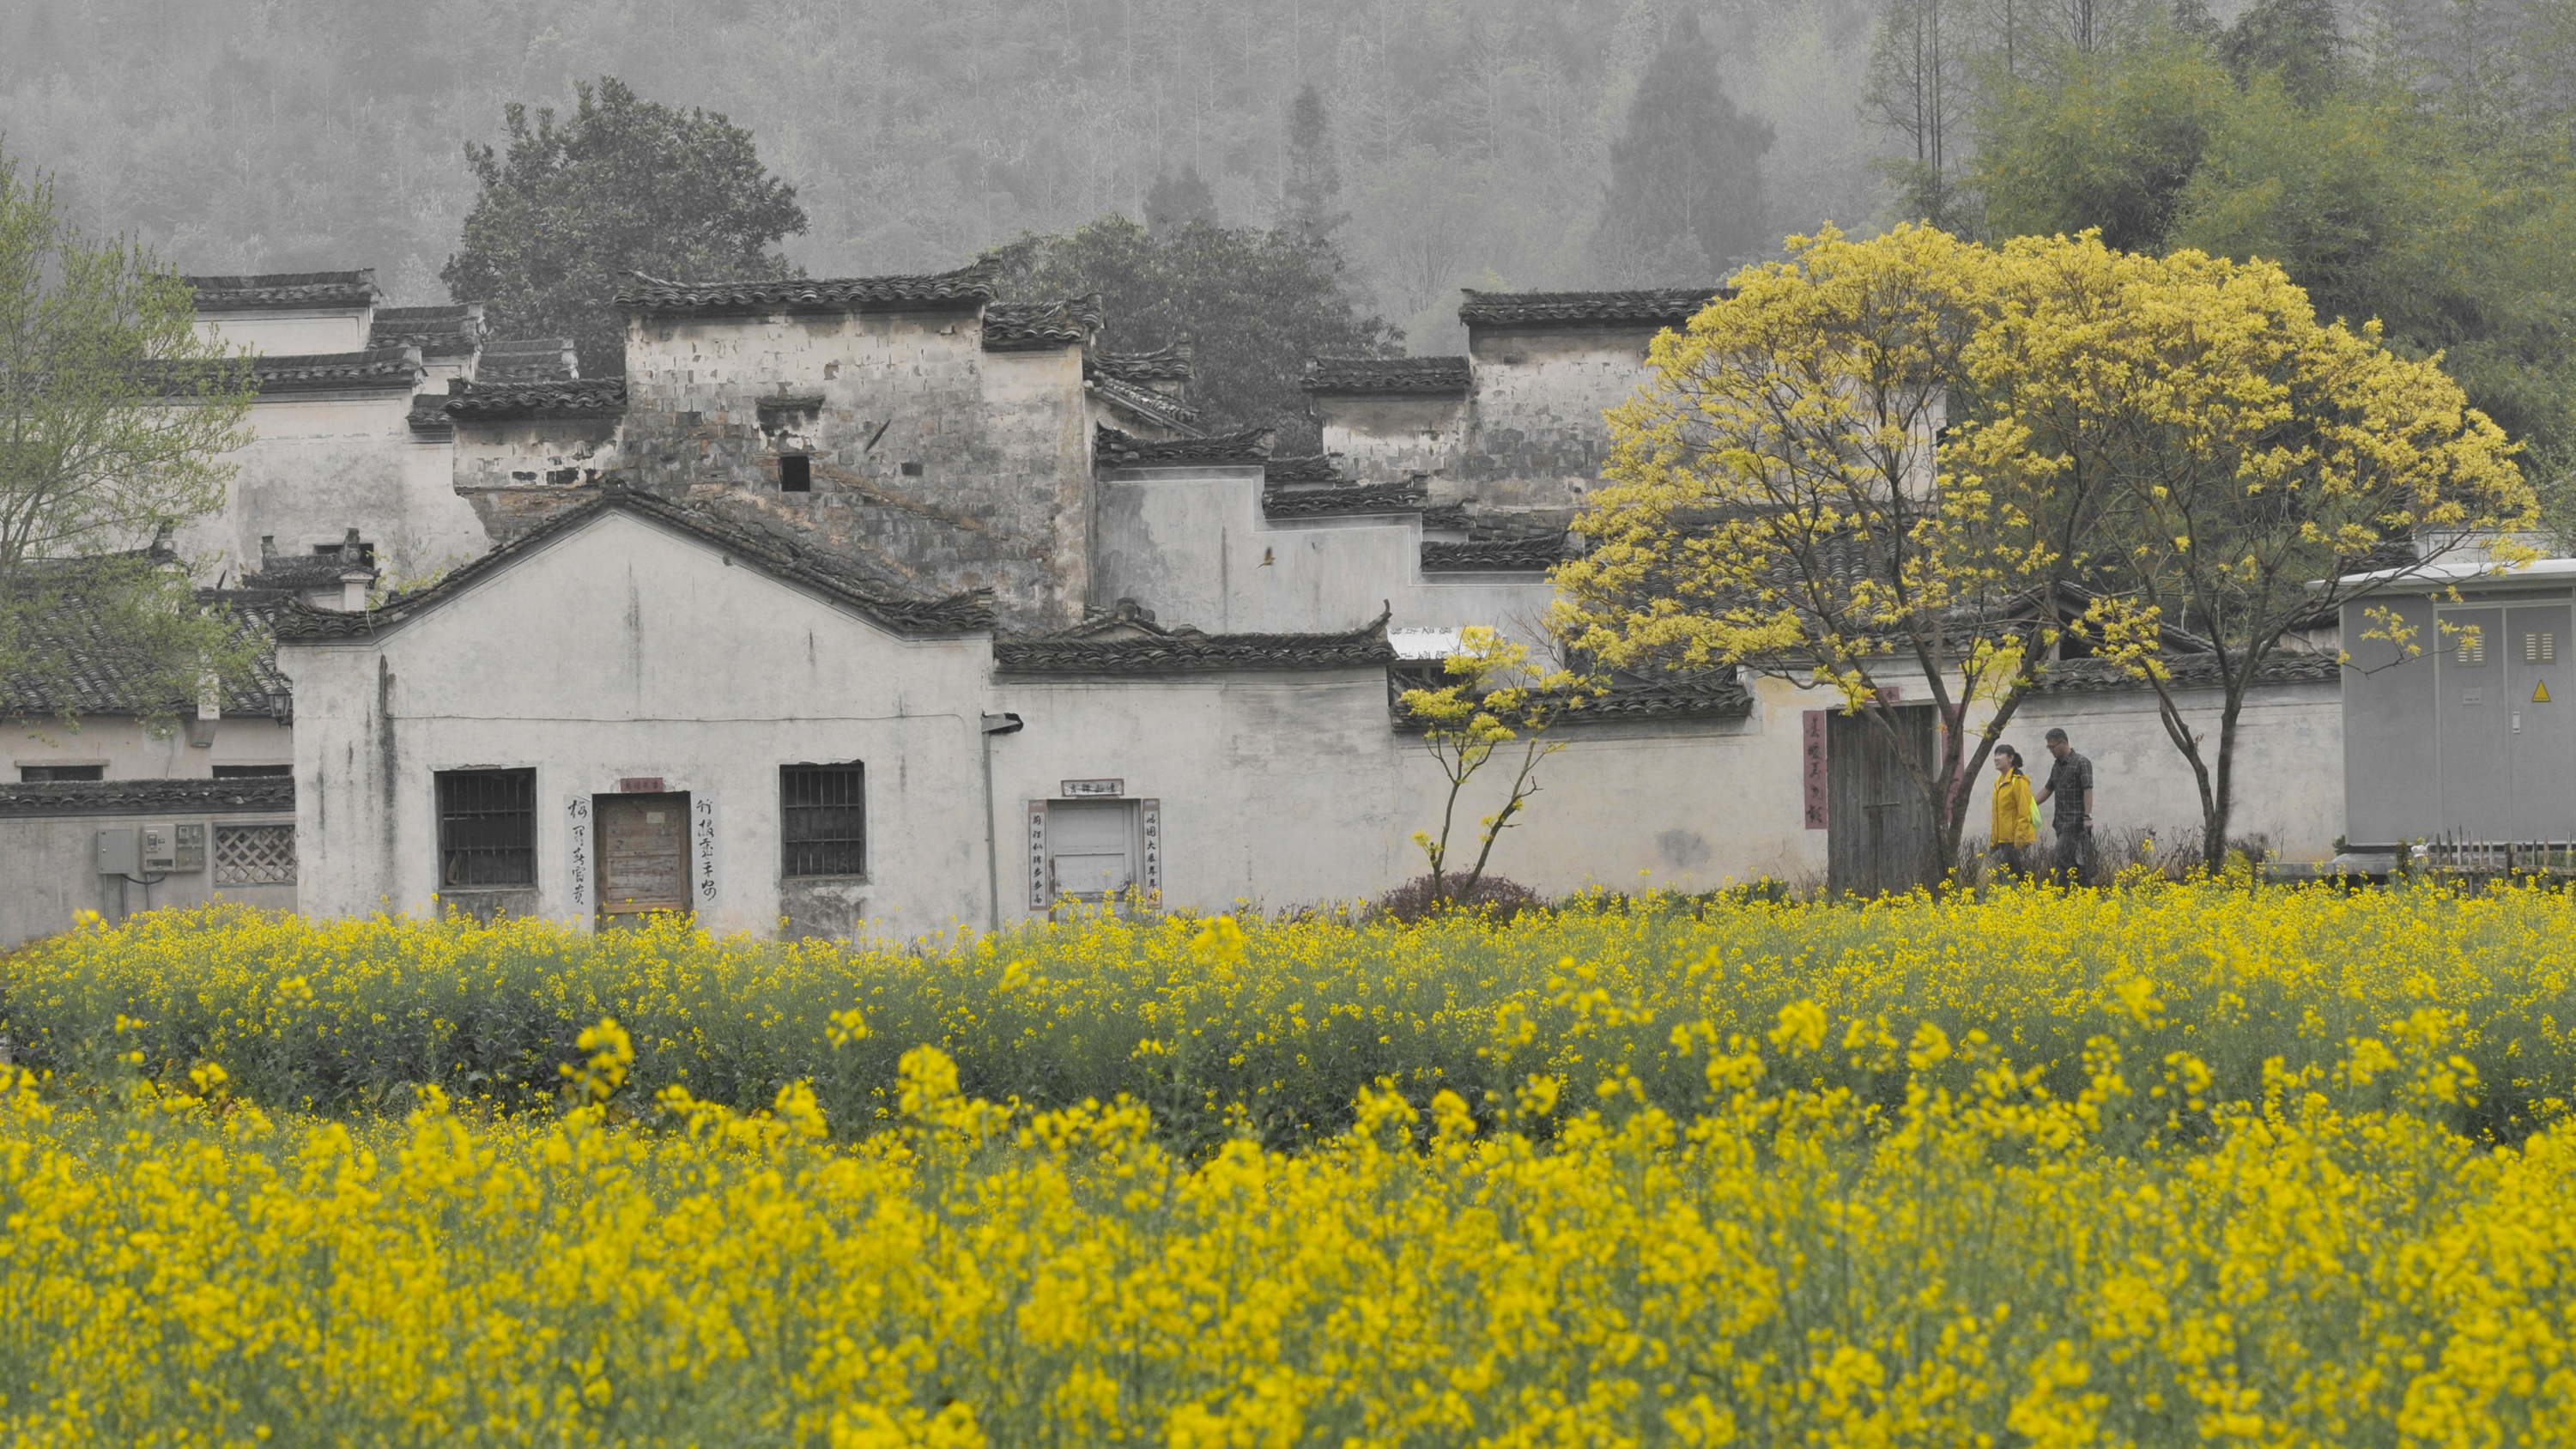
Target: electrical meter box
point(116, 852)
point(160, 849)
point(188, 849)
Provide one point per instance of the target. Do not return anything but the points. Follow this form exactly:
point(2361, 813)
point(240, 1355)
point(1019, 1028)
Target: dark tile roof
point(278, 291)
point(1112, 448)
point(1424, 376)
point(1722, 697)
point(261, 794)
point(384, 369)
point(1144, 404)
point(499, 402)
point(1042, 326)
point(2188, 671)
point(956, 614)
point(1653, 307)
point(1446, 515)
point(526, 359)
point(1495, 555)
point(429, 415)
point(295, 572)
point(105, 672)
point(1715, 695)
point(1150, 650)
point(454, 331)
point(939, 291)
point(1357, 498)
point(1163, 364)
point(1313, 468)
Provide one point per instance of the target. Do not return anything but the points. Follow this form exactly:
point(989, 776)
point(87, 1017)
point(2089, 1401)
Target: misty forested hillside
point(1472, 136)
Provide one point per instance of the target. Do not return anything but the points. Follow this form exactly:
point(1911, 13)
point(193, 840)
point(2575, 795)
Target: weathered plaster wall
point(933, 461)
point(289, 332)
point(1193, 545)
point(2289, 766)
point(622, 650)
point(533, 453)
point(1288, 790)
point(2289, 762)
point(1379, 439)
point(132, 750)
point(320, 465)
point(53, 873)
point(1536, 437)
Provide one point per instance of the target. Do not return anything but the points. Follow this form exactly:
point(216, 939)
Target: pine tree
point(1685, 198)
point(1311, 194)
point(569, 212)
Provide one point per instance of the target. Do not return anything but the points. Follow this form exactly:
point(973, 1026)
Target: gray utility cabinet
point(2475, 735)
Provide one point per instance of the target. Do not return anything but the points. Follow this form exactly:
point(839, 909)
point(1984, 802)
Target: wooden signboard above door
point(643, 855)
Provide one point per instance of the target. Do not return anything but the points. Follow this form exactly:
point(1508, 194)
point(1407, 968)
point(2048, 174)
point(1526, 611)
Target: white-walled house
point(727, 632)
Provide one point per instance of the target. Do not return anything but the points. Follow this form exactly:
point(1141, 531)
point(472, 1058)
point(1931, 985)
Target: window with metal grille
point(487, 828)
point(823, 819)
point(48, 774)
point(248, 855)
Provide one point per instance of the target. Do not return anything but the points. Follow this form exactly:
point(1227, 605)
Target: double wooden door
point(643, 855)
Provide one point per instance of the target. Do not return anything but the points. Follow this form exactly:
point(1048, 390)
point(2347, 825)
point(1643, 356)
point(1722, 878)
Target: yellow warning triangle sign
point(2540, 692)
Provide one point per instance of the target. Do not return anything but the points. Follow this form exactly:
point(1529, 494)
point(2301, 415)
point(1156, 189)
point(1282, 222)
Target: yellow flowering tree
point(2272, 468)
point(1838, 476)
point(1496, 699)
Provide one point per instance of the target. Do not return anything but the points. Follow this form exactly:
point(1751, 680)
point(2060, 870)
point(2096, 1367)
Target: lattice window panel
point(247, 855)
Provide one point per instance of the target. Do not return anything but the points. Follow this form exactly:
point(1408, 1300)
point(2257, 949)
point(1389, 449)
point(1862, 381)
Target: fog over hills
point(1472, 136)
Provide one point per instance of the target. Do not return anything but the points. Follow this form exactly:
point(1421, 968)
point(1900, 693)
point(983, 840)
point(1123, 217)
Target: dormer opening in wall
point(364, 553)
point(795, 473)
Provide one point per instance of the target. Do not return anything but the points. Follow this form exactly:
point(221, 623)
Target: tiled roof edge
point(965, 613)
point(965, 287)
point(1495, 555)
point(266, 794)
point(1414, 376)
point(285, 291)
point(1353, 499)
point(1185, 652)
point(1114, 449)
point(1652, 306)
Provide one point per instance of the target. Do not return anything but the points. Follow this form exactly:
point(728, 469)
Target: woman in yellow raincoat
point(2016, 817)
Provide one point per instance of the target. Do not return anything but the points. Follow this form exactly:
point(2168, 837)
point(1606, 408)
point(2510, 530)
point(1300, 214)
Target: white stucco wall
point(323, 463)
point(132, 750)
point(53, 873)
point(291, 332)
point(624, 650)
point(2288, 775)
point(1192, 544)
point(1293, 789)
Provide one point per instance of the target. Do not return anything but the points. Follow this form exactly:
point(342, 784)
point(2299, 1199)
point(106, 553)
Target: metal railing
point(2457, 853)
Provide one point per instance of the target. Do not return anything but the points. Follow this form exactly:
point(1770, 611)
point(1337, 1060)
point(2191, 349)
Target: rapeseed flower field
point(2176, 1165)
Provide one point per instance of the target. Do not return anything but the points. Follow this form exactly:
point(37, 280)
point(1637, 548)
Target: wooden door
point(1091, 848)
point(1879, 828)
point(643, 855)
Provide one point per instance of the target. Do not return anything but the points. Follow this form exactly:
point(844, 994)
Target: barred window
point(487, 828)
point(823, 818)
point(249, 855)
point(51, 774)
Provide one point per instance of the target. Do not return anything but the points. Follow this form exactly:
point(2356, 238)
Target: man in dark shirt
point(2070, 783)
